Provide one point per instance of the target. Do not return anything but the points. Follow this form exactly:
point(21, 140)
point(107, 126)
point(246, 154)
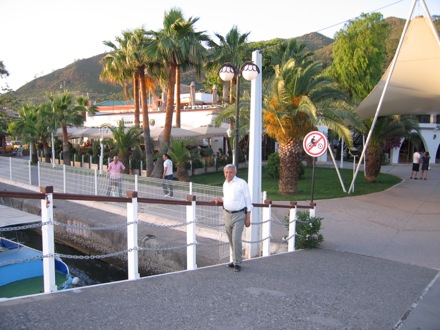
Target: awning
point(414, 87)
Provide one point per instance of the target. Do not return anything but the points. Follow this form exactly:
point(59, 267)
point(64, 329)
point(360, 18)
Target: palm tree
point(181, 156)
point(301, 99)
point(125, 140)
point(175, 45)
point(386, 130)
point(117, 69)
point(233, 49)
point(66, 114)
point(45, 126)
point(25, 127)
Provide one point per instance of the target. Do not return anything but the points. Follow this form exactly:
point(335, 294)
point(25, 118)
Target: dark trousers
point(167, 186)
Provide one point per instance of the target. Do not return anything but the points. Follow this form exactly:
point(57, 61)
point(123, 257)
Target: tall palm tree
point(117, 69)
point(386, 129)
point(233, 49)
point(301, 99)
point(67, 113)
point(174, 45)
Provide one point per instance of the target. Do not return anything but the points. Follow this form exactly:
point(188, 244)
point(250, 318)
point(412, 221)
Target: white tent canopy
point(414, 86)
point(411, 84)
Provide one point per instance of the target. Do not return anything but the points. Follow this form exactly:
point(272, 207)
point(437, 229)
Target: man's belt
point(232, 212)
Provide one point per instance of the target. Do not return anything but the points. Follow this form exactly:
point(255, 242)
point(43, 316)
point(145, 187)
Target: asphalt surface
point(378, 268)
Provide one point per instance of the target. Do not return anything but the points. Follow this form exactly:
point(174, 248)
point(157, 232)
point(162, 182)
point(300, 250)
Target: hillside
point(82, 76)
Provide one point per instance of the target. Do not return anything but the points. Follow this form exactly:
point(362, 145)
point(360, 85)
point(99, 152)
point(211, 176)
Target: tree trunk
point(290, 157)
point(166, 139)
point(372, 162)
point(136, 100)
point(66, 151)
point(146, 123)
point(178, 96)
point(182, 173)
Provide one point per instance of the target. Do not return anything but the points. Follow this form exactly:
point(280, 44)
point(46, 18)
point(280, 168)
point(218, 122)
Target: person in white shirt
point(417, 159)
point(237, 208)
point(167, 176)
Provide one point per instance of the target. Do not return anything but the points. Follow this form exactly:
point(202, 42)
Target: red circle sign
point(315, 144)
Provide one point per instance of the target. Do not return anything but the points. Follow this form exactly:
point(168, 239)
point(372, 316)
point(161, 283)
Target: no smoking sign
point(315, 144)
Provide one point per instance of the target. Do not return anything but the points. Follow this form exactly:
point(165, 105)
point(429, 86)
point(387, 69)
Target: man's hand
point(218, 201)
point(247, 222)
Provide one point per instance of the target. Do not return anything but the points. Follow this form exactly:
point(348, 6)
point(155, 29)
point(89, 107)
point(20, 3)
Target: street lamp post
point(227, 72)
point(102, 131)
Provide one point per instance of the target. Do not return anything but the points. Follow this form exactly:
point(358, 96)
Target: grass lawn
point(327, 184)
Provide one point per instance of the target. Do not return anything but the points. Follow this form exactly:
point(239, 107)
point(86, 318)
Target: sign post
point(314, 144)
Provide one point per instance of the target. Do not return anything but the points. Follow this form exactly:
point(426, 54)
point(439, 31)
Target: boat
point(21, 270)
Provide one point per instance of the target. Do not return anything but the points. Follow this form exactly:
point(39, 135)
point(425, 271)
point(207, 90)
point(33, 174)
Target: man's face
point(115, 160)
point(229, 174)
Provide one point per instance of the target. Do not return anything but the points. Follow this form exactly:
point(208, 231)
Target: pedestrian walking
point(114, 170)
point(167, 176)
point(416, 164)
point(237, 208)
point(425, 165)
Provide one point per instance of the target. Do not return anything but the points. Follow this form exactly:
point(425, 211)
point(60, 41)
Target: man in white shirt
point(237, 207)
point(167, 176)
point(416, 164)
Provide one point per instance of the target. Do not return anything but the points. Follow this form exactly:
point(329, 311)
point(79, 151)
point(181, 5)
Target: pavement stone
point(378, 268)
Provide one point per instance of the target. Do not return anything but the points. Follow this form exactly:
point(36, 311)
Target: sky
point(39, 37)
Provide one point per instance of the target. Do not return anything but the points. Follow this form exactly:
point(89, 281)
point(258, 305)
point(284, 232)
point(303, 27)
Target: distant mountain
point(82, 76)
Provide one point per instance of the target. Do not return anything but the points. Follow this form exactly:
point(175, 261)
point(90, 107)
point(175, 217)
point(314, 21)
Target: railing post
point(266, 228)
point(136, 182)
point(292, 226)
point(47, 235)
point(30, 171)
point(64, 179)
point(312, 210)
point(191, 233)
point(96, 181)
point(10, 168)
point(132, 236)
point(39, 174)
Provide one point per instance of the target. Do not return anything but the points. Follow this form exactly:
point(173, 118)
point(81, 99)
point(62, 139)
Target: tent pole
point(393, 64)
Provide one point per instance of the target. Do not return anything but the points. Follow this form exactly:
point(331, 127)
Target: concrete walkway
point(378, 268)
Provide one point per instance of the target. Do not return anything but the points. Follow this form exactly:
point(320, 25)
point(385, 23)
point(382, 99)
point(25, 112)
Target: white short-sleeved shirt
point(236, 195)
point(168, 164)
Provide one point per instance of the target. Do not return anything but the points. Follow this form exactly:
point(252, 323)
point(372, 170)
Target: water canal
point(89, 271)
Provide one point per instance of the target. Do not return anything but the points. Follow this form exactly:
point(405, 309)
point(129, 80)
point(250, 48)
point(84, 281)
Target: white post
point(39, 173)
point(53, 150)
point(136, 183)
point(292, 229)
point(64, 179)
point(191, 234)
point(254, 169)
point(342, 154)
point(312, 210)
point(47, 235)
point(132, 237)
point(96, 181)
point(266, 229)
point(30, 171)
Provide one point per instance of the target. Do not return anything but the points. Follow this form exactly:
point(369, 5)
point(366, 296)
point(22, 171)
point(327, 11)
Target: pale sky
point(40, 36)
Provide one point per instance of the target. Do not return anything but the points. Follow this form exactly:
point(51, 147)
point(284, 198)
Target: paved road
point(378, 268)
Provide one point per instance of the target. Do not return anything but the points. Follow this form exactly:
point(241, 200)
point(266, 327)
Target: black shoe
point(237, 268)
point(231, 265)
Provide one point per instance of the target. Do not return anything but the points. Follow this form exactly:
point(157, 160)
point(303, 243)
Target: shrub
point(307, 231)
point(273, 165)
